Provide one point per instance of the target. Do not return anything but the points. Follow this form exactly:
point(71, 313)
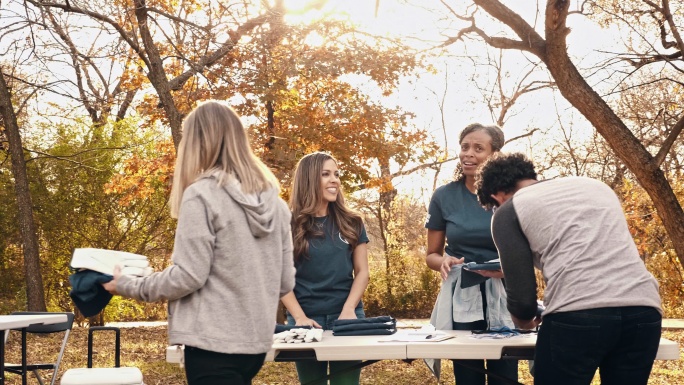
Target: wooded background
point(93, 93)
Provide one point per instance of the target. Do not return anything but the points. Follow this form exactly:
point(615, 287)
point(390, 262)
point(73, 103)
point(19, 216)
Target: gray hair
point(493, 131)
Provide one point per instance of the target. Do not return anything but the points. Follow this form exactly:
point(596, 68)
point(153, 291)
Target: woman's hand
point(490, 273)
point(111, 285)
point(447, 262)
point(347, 314)
point(307, 322)
point(526, 324)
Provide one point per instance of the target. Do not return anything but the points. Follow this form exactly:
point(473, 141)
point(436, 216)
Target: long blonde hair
point(214, 141)
point(305, 198)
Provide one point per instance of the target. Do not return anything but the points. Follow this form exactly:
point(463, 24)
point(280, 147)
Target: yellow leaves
point(653, 243)
point(382, 185)
point(143, 176)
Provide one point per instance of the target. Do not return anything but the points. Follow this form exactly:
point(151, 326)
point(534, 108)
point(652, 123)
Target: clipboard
point(482, 266)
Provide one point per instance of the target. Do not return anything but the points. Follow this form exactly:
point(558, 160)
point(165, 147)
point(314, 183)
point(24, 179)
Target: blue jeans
point(466, 376)
point(204, 367)
point(309, 371)
point(621, 342)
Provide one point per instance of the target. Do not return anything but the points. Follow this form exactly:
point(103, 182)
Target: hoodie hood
point(259, 208)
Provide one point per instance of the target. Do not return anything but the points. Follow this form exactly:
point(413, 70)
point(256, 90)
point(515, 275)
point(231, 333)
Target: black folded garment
point(369, 326)
point(281, 328)
point(365, 332)
point(382, 325)
point(369, 320)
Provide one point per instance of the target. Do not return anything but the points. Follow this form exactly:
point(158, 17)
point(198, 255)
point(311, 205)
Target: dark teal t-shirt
point(324, 279)
point(456, 211)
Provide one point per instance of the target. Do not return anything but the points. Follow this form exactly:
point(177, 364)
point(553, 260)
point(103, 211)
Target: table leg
point(2, 358)
point(24, 372)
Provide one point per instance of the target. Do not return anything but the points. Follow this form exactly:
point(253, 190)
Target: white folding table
point(22, 321)
point(521, 347)
point(370, 349)
point(332, 348)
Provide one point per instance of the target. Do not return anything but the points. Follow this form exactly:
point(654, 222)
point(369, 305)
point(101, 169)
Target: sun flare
point(359, 12)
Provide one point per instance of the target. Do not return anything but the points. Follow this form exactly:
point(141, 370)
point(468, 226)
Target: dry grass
point(145, 348)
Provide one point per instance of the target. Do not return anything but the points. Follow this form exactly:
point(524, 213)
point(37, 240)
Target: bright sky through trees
point(463, 73)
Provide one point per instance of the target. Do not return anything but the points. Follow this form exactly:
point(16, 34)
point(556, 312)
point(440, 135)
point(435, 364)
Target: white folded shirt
point(104, 261)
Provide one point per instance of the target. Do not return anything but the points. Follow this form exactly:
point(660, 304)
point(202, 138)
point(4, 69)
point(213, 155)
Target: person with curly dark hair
point(602, 307)
point(459, 232)
point(503, 176)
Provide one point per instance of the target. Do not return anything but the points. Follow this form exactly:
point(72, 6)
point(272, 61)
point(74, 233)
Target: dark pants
point(203, 367)
point(466, 376)
point(621, 342)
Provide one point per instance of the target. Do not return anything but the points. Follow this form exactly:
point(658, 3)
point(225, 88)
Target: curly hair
point(501, 173)
point(494, 132)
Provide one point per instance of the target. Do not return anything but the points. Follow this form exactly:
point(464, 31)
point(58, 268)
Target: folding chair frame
point(24, 368)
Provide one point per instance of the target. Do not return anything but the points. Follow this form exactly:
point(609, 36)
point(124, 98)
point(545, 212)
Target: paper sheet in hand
point(415, 336)
point(103, 261)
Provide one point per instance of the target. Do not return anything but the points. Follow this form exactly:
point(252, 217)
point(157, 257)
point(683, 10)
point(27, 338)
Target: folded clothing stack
point(298, 336)
point(282, 327)
point(500, 332)
point(93, 267)
point(382, 325)
point(104, 261)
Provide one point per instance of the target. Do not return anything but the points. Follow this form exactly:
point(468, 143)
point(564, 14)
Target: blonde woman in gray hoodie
point(232, 256)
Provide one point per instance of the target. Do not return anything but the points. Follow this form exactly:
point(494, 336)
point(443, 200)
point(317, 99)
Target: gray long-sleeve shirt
point(232, 261)
point(574, 231)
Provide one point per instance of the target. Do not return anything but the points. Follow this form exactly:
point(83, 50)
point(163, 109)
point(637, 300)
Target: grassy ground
point(145, 348)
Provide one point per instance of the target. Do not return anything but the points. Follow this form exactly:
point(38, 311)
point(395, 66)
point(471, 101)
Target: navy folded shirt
point(87, 291)
point(369, 320)
point(382, 325)
point(281, 328)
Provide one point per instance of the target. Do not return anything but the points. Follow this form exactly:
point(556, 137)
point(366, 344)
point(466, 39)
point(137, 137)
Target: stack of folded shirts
point(382, 325)
point(93, 267)
point(498, 333)
point(282, 327)
point(104, 261)
point(298, 336)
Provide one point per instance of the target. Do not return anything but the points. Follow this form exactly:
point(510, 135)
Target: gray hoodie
point(232, 261)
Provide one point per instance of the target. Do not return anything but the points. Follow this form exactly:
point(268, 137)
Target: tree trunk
point(35, 295)
point(627, 147)
point(157, 74)
point(387, 195)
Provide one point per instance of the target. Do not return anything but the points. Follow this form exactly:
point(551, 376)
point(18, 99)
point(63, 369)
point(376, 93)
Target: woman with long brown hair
point(331, 259)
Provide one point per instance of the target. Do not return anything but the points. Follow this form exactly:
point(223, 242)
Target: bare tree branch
point(530, 39)
point(669, 141)
point(107, 20)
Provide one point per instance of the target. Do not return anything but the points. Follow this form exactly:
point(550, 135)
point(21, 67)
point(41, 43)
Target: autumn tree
point(654, 245)
point(657, 19)
point(75, 204)
point(297, 88)
point(167, 43)
point(35, 298)
point(406, 287)
point(200, 50)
